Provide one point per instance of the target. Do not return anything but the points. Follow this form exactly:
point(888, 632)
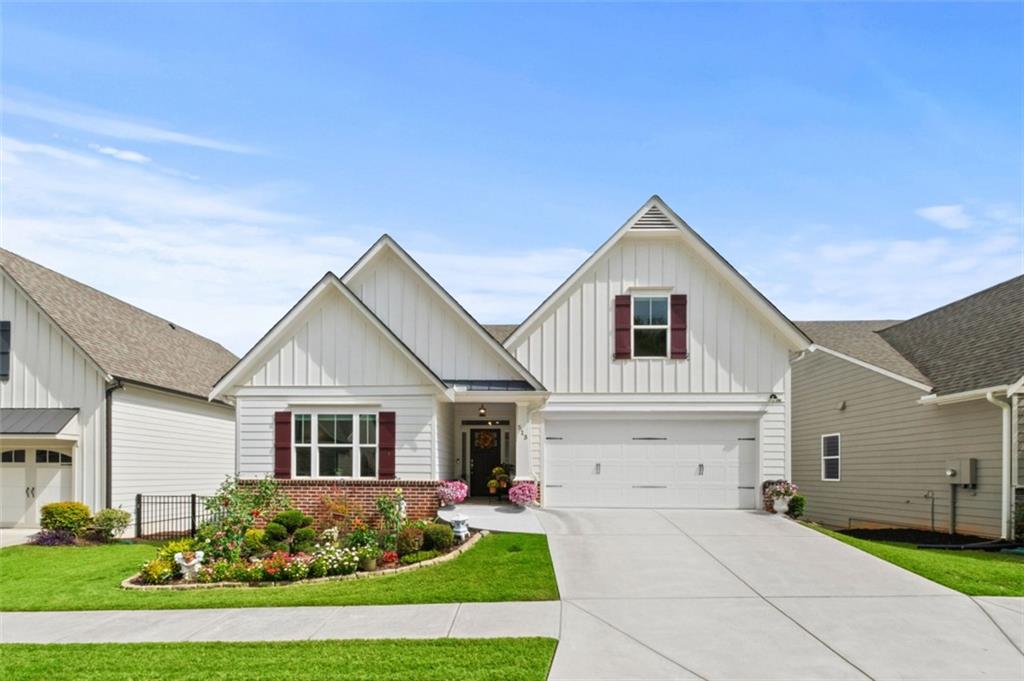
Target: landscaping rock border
point(454, 553)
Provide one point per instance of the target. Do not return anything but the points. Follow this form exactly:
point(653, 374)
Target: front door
point(484, 456)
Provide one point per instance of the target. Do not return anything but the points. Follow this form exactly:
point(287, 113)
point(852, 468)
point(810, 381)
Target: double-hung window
point(830, 453)
point(335, 444)
point(650, 326)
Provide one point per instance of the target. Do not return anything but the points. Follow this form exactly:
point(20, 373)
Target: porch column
point(522, 440)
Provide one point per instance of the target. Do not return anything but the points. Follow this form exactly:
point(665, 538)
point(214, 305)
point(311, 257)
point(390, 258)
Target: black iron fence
point(167, 516)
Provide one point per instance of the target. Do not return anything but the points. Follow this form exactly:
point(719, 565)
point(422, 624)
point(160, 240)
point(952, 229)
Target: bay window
point(335, 444)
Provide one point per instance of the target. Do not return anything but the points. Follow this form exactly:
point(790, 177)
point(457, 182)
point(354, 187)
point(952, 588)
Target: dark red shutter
point(623, 327)
point(282, 444)
point(386, 459)
point(677, 324)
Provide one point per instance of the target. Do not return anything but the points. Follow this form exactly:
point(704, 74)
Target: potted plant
point(523, 493)
point(368, 556)
point(452, 492)
point(500, 476)
point(781, 491)
point(492, 486)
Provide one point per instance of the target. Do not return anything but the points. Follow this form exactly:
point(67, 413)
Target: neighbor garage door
point(670, 463)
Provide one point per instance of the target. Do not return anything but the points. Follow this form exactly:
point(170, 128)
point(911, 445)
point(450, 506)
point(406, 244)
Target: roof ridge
point(960, 300)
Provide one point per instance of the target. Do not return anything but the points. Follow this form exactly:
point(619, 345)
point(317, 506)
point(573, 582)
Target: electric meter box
point(962, 472)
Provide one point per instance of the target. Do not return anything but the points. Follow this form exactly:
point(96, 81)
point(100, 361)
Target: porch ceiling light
point(482, 411)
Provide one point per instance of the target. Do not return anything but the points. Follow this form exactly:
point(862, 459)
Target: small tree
point(290, 531)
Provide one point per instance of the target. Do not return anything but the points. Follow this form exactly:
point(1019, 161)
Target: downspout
point(1006, 484)
point(108, 494)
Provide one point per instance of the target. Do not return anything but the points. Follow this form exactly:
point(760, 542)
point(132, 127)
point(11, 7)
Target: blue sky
point(208, 163)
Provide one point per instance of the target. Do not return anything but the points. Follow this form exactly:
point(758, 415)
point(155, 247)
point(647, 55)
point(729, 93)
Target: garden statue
point(189, 562)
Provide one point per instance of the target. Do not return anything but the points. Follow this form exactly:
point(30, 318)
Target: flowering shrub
point(59, 537)
point(238, 507)
point(156, 571)
point(389, 557)
point(523, 493)
point(337, 561)
point(780, 489)
point(361, 535)
point(452, 492)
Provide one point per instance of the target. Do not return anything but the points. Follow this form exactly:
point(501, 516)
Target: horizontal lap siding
point(894, 450)
point(164, 444)
point(414, 436)
point(47, 370)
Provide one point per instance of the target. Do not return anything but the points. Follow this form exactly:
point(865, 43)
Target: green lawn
point(521, 659)
point(975, 573)
point(501, 567)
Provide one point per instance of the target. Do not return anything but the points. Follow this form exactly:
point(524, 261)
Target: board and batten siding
point(446, 441)
point(333, 344)
point(732, 347)
point(414, 426)
point(425, 322)
point(893, 450)
point(166, 444)
point(48, 370)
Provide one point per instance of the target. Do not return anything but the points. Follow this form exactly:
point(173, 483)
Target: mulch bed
point(909, 536)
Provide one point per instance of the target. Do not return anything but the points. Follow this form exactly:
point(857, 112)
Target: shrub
point(290, 531)
point(410, 540)
point(438, 536)
point(65, 515)
point(167, 551)
point(237, 507)
point(523, 493)
point(111, 523)
point(253, 543)
point(337, 560)
point(418, 557)
point(157, 571)
point(796, 506)
point(389, 557)
point(361, 535)
point(54, 538)
point(452, 492)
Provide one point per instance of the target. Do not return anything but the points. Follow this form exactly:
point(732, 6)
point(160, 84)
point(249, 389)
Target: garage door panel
point(656, 464)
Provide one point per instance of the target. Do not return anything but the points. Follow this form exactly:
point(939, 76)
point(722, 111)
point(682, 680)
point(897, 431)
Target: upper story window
point(335, 445)
point(830, 457)
point(650, 326)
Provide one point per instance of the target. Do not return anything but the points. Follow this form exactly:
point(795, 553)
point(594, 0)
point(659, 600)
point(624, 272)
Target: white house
point(99, 400)
point(655, 376)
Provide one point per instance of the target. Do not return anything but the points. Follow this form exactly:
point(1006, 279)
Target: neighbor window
point(335, 445)
point(830, 457)
point(650, 326)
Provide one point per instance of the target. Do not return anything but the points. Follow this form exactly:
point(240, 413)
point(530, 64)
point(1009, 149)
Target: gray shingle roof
point(500, 331)
point(976, 342)
point(125, 341)
point(34, 421)
point(860, 340)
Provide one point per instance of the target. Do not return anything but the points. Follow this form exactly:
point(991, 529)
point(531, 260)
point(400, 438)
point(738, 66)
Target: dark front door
point(484, 455)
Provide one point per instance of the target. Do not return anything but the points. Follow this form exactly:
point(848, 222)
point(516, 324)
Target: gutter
point(108, 492)
point(1006, 484)
point(966, 396)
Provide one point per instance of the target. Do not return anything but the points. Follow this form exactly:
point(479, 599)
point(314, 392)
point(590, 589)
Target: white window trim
point(838, 457)
point(633, 326)
point(314, 445)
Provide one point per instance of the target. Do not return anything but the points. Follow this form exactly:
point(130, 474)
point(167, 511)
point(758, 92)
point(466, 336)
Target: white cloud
point(952, 216)
point(121, 154)
point(108, 125)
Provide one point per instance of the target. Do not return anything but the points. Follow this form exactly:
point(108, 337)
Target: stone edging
point(128, 583)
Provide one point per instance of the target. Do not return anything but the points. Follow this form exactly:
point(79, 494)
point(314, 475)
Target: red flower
point(255, 513)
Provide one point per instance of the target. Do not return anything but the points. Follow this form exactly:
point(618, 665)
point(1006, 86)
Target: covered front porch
point(490, 429)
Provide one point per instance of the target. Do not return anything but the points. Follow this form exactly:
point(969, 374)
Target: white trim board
point(328, 281)
point(789, 331)
point(387, 242)
point(872, 367)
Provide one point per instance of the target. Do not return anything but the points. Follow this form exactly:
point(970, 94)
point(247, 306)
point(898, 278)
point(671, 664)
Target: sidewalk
point(450, 620)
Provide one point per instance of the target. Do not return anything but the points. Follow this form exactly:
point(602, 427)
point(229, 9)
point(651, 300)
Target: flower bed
point(134, 582)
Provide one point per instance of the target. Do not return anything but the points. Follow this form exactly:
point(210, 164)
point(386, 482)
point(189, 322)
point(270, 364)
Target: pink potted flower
point(452, 492)
point(523, 493)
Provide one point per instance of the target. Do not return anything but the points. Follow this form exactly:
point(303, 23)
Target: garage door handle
point(742, 487)
point(26, 493)
point(701, 471)
point(33, 492)
point(650, 486)
point(552, 485)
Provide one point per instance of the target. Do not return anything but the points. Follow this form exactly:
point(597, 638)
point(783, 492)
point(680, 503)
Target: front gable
point(428, 320)
point(737, 341)
point(328, 339)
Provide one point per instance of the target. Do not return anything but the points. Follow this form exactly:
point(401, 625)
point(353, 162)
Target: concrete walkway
point(454, 620)
point(497, 517)
point(746, 595)
point(12, 536)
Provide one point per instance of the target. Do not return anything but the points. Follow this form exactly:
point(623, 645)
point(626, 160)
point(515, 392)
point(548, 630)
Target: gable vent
point(653, 219)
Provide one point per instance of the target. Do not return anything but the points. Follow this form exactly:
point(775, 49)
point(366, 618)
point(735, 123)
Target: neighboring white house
point(655, 376)
point(99, 400)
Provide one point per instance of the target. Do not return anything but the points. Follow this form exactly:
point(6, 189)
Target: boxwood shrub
point(65, 515)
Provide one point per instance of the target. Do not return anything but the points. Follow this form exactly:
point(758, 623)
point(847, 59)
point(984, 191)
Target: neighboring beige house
point(654, 376)
point(99, 400)
point(888, 416)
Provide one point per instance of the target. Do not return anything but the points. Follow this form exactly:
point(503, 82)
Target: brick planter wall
point(307, 495)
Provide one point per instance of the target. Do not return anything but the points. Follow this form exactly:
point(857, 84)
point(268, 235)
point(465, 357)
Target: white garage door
point(30, 479)
point(629, 463)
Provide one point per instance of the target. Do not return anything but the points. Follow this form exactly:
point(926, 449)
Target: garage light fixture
point(482, 411)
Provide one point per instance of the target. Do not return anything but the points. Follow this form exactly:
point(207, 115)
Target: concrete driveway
point(746, 595)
